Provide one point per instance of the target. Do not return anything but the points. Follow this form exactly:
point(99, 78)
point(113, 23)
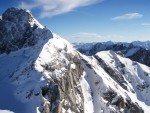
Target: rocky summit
point(18, 29)
point(42, 73)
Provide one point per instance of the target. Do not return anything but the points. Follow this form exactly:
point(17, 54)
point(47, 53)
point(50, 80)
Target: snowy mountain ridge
point(43, 73)
point(142, 44)
point(136, 51)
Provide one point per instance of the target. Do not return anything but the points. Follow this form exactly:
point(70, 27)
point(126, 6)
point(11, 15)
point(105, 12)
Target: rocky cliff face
point(63, 91)
point(19, 29)
point(47, 75)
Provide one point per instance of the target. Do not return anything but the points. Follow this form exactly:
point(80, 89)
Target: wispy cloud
point(94, 37)
point(49, 8)
point(128, 16)
point(145, 24)
point(87, 35)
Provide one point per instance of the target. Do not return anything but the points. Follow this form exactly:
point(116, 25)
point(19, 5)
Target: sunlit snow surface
point(95, 81)
point(18, 75)
point(134, 75)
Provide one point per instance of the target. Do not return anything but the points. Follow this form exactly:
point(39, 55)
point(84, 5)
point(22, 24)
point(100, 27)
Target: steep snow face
point(108, 93)
point(42, 78)
point(133, 77)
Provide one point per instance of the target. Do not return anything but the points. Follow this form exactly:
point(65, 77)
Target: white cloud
point(87, 35)
point(145, 24)
point(49, 8)
point(95, 37)
point(6, 111)
point(128, 16)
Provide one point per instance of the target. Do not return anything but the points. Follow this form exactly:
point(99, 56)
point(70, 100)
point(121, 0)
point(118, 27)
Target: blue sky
point(90, 20)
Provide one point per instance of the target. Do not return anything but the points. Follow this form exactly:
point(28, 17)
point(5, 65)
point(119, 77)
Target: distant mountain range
point(42, 73)
point(137, 51)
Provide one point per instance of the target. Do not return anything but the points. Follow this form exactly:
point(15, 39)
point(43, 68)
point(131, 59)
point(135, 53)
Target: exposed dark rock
point(142, 56)
point(62, 92)
point(118, 77)
point(132, 107)
point(87, 64)
point(117, 100)
point(142, 86)
point(146, 74)
point(29, 94)
point(120, 53)
point(17, 30)
point(45, 90)
point(53, 94)
point(109, 95)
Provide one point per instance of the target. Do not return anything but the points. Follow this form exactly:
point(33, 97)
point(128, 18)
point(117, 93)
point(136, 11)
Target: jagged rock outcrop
point(64, 92)
point(19, 29)
point(119, 102)
point(117, 76)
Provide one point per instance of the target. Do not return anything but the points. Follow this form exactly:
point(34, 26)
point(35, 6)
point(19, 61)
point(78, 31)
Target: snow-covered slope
point(50, 76)
point(31, 74)
point(117, 84)
point(41, 77)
